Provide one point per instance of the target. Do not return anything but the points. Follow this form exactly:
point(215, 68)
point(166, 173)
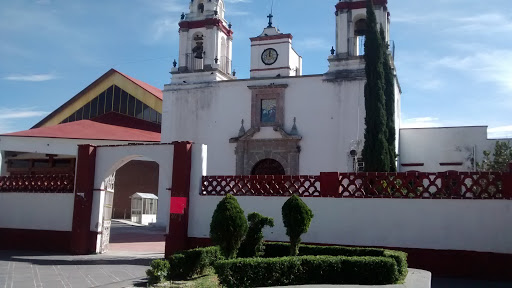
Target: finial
point(294, 130)
point(332, 50)
point(241, 132)
point(270, 16)
point(229, 25)
point(234, 74)
point(174, 63)
point(182, 15)
point(216, 60)
point(215, 12)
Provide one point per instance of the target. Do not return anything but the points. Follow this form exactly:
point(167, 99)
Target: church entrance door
point(268, 167)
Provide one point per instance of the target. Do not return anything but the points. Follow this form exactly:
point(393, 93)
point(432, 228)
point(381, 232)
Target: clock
point(269, 56)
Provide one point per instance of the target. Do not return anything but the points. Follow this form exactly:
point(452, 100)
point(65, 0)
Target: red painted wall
point(134, 176)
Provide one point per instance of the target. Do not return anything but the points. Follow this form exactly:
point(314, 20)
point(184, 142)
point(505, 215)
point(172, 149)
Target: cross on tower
point(270, 16)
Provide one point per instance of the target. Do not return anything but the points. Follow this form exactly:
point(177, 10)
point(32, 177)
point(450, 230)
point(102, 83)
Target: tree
point(501, 157)
point(296, 218)
point(252, 246)
point(389, 96)
point(375, 149)
point(228, 226)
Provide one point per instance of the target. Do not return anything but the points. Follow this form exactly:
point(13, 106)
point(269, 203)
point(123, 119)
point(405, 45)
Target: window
point(154, 116)
point(108, 99)
point(117, 99)
point(267, 105)
point(101, 104)
point(131, 105)
point(147, 112)
point(94, 108)
point(87, 111)
point(79, 114)
point(138, 109)
point(124, 102)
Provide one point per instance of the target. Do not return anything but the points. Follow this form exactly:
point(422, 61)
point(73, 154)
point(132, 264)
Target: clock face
point(269, 56)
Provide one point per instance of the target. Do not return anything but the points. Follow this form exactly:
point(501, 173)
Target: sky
point(453, 57)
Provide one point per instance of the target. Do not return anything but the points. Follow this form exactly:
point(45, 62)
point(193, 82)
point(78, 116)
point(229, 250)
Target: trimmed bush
point(187, 264)
point(228, 226)
point(273, 250)
point(253, 245)
point(296, 218)
point(158, 272)
point(304, 270)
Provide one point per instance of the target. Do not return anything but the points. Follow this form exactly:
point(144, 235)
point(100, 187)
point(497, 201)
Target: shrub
point(296, 218)
point(273, 250)
point(252, 246)
point(158, 272)
point(228, 226)
point(304, 270)
point(195, 262)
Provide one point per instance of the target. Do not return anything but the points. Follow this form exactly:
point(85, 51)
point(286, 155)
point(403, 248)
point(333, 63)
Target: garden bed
point(314, 265)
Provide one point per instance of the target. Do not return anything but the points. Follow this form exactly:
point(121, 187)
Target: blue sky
point(454, 57)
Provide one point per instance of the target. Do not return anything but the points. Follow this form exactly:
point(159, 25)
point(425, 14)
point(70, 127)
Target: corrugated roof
point(88, 129)
point(145, 195)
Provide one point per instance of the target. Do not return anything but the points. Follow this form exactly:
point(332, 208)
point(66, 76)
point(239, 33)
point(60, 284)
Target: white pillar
point(3, 165)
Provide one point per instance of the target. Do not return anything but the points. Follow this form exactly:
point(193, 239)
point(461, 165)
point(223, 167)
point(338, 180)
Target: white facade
point(329, 117)
point(443, 148)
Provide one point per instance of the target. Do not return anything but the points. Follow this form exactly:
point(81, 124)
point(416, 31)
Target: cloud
point(500, 132)
point(420, 122)
point(31, 77)
point(20, 113)
point(494, 66)
point(237, 1)
point(313, 43)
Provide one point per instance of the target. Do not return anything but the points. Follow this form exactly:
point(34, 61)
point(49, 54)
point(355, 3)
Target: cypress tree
point(375, 150)
point(389, 94)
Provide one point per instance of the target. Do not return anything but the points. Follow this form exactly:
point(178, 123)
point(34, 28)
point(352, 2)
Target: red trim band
point(410, 164)
point(204, 23)
point(272, 37)
point(451, 164)
point(359, 5)
point(268, 69)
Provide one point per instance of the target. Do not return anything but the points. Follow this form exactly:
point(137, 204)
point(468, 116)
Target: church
point(278, 121)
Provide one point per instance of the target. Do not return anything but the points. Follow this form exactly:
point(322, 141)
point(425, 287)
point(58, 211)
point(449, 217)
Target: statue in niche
point(198, 50)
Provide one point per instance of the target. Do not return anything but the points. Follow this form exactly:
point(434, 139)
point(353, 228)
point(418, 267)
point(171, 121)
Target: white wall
point(329, 117)
point(432, 146)
point(37, 211)
point(474, 225)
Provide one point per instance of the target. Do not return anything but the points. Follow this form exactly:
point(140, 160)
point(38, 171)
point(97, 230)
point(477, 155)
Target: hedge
point(273, 250)
point(304, 270)
point(186, 264)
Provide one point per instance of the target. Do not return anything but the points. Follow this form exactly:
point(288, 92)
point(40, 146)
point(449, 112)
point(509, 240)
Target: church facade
point(278, 121)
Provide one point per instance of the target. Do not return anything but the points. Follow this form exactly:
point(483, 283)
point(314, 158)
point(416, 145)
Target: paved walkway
point(28, 269)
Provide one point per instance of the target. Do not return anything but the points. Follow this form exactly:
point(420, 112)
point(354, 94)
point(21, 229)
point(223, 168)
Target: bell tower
point(205, 44)
point(350, 32)
point(272, 54)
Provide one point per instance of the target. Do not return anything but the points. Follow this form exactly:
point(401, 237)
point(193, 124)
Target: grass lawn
point(206, 281)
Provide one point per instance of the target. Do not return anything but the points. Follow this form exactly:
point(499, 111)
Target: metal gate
point(107, 213)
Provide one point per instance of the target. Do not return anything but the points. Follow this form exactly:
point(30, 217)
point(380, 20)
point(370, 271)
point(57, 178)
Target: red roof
point(151, 89)
point(88, 129)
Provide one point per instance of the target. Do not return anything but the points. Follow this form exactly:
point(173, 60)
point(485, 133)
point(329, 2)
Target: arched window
point(200, 8)
point(268, 167)
point(359, 36)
